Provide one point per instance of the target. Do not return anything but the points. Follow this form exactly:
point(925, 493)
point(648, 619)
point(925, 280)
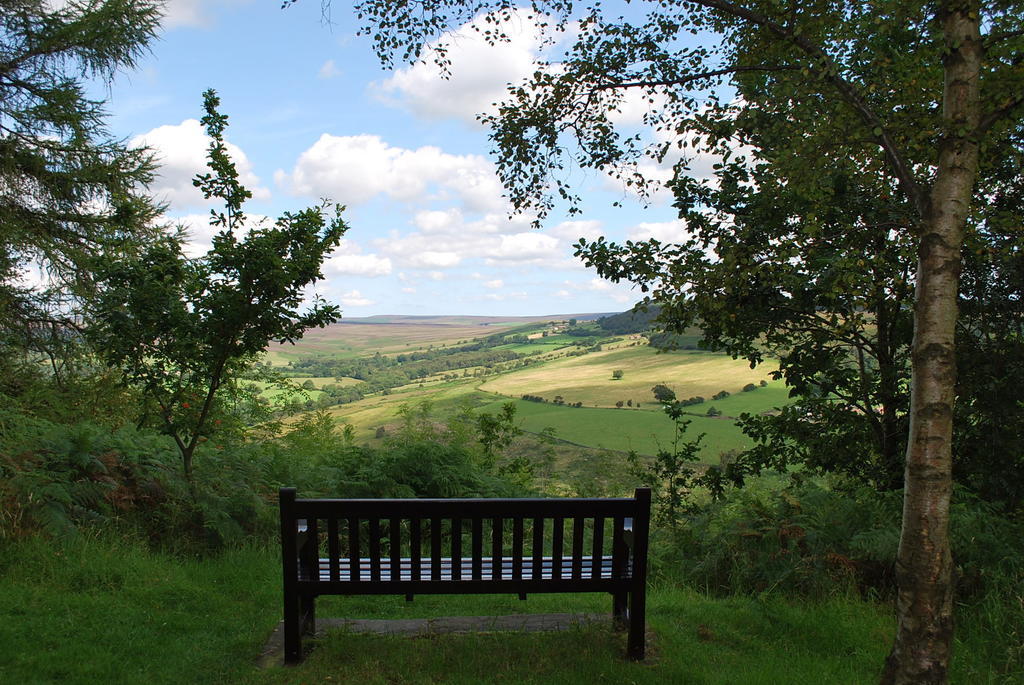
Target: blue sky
point(313, 115)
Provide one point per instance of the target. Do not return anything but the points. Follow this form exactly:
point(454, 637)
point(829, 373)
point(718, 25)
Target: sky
point(313, 115)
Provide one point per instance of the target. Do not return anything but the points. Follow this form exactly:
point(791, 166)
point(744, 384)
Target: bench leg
point(292, 630)
point(619, 609)
point(308, 604)
point(637, 612)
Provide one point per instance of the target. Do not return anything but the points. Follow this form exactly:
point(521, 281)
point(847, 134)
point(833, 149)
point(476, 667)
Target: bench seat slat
point(449, 572)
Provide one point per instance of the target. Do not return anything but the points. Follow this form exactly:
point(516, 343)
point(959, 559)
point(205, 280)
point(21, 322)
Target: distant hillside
point(457, 320)
point(631, 321)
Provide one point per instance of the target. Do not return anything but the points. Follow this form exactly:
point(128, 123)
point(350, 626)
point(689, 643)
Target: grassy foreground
point(92, 611)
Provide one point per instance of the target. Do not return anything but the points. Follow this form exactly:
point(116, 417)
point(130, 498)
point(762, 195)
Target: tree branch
point(993, 38)
point(695, 77)
point(900, 166)
point(992, 117)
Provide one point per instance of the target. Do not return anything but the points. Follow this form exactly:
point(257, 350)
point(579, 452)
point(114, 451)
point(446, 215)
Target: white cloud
point(354, 298)
point(571, 231)
point(433, 259)
point(479, 73)
point(521, 247)
point(185, 13)
point(664, 231)
point(446, 239)
point(438, 221)
point(355, 169)
point(495, 284)
point(181, 153)
point(329, 70)
point(358, 265)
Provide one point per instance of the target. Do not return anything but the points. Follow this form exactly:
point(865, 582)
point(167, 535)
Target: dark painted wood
point(497, 541)
point(353, 546)
point(416, 544)
point(366, 568)
point(538, 547)
point(577, 547)
point(478, 548)
point(449, 508)
point(435, 549)
point(517, 548)
point(557, 545)
point(598, 545)
point(373, 532)
point(395, 542)
point(333, 548)
point(290, 571)
point(457, 547)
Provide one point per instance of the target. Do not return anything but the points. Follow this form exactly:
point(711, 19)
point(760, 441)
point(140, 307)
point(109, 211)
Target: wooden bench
point(456, 546)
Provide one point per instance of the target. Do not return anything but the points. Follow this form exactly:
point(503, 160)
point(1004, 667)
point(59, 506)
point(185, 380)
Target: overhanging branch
point(900, 166)
point(695, 77)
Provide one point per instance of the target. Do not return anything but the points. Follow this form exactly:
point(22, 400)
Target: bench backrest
point(517, 539)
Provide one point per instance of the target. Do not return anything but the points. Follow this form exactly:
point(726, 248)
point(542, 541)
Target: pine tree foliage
point(68, 190)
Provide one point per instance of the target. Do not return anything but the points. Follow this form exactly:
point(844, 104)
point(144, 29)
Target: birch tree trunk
point(924, 566)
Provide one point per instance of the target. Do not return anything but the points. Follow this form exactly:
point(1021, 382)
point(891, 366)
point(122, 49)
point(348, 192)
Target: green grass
point(96, 611)
point(623, 429)
point(773, 395)
point(273, 391)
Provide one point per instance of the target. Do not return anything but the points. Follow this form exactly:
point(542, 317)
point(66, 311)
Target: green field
point(273, 391)
point(588, 379)
point(623, 429)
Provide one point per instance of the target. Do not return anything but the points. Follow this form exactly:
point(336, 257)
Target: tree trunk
point(924, 566)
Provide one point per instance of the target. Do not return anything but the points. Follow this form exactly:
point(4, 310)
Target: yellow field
point(588, 379)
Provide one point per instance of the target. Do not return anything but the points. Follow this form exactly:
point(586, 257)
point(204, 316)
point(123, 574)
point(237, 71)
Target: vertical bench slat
point(538, 548)
point(497, 542)
point(517, 548)
point(353, 550)
point(395, 546)
point(557, 543)
point(374, 533)
point(618, 548)
point(478, 553)
point(415, 547)
point(435, 549)
point(333, 551)
point(456, 549)
point(311, 550)
point(577, 547)
point(598, 548)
